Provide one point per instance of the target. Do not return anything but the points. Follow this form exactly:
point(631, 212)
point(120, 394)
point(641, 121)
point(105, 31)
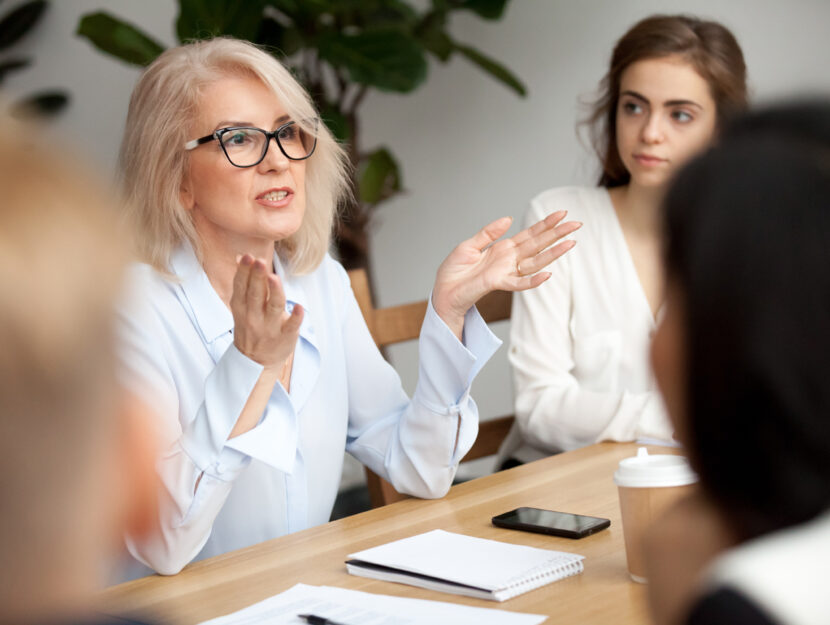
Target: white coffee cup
point(647, 485)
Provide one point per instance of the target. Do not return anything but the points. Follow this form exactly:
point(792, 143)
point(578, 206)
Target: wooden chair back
point(396, 324)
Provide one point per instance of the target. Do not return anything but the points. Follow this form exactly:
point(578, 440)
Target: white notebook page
point(479, 562)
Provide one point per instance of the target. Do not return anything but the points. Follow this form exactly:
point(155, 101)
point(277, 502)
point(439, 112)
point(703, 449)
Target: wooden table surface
point(579, 481)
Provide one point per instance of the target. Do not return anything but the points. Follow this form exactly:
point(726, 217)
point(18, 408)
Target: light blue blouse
point(282, 476)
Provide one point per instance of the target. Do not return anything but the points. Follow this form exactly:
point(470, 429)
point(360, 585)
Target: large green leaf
point(309, 7)
point(380, 177)
point(494, 68)
point(12, 65)
point(386, 59)
point(202, 19)
point(431, 32)
point(118, 38)
point(381, 14)
point(488, 9)
point(41, 104)
point(289, 7)
point(286, 39)
point(336, 122)
point(20, 21)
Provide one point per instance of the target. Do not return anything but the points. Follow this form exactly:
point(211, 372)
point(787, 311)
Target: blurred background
point(468, 148)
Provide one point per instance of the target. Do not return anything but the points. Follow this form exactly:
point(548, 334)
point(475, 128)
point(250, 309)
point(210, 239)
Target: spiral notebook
point(464, 565)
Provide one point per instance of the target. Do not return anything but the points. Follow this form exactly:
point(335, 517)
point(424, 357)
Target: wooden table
point(578, 481)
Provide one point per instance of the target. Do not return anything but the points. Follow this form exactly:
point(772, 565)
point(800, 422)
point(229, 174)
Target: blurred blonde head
point(61, 261)
point(153, 162)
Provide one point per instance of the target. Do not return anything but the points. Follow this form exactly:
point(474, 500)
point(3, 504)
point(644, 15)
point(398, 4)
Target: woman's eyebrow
point(635, 95)
point(228, 123)
point(682, 103)
point(639, 96)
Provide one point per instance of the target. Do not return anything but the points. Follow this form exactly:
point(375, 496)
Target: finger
point(522, 283)
point(540, 226)
point(535, 244)
point(276, 297)
point(293, 323)
point(258, 287)
point(539, 278)
point(533, 264)
point(240, 281)
point(491, 232)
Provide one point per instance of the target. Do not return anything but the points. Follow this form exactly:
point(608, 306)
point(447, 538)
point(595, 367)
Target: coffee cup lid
point(649, 470)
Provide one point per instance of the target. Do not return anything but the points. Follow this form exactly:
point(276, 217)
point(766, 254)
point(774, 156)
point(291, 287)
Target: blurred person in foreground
point(742, 358)
point(76, 459)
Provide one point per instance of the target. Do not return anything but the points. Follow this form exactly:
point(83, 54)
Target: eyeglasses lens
point(245, 147)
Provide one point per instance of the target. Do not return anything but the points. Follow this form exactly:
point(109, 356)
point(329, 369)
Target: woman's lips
point(649, 161)
point(275, 198)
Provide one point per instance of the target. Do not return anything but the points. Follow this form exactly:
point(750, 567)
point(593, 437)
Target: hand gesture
point(263, 330)
point(483, 264)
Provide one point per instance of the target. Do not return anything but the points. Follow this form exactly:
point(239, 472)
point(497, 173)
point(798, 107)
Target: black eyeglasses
point(246, 146)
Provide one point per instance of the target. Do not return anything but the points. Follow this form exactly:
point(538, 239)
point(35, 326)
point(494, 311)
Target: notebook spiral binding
point(540, 576)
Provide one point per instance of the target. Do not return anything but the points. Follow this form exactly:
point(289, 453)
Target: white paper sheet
point(351, 607)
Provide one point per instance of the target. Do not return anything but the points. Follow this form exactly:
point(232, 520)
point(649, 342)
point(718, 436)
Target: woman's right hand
point(262, 329)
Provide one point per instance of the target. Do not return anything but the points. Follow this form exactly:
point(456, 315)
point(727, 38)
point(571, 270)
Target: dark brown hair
point(709, 47)
point(757, 340)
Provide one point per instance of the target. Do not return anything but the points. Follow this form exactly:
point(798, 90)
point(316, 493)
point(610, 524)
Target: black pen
point(317, 620)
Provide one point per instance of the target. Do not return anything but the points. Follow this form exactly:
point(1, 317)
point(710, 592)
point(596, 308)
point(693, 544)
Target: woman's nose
point(274, 159)
point(653, 129)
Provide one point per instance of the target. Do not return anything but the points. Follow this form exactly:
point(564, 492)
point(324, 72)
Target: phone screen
point(551, 522)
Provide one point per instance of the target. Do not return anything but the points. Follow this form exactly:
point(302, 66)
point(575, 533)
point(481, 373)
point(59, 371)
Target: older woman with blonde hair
point(246, 334)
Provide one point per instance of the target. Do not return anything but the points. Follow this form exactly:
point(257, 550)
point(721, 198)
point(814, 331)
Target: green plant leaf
point(20, 21)
point(431, 32)
point(41, 104)
point(336, 122)
point(386, 59)
point(380, 177)
point(492, 67)
point(118, 38)
point(289, 7)
point(381, 14)
point(488, 9)
point(440, 45)
point(274, 35)
point(202, 19)
point(12, 65)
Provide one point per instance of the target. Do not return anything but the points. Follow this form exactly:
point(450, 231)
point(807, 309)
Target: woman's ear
point(186, 196)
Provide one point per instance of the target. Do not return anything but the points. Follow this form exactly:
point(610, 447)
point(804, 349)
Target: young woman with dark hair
point(742, 356)
point(580, 342)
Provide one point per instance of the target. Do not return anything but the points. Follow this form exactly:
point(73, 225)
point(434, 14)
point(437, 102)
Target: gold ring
point(518, 269)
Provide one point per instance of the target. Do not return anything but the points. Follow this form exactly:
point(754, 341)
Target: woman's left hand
point(483, 264)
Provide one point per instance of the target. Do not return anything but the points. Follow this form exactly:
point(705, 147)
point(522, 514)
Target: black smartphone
point(550, 522)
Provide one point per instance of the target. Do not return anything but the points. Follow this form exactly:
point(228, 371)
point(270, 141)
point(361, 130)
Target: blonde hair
point(61, 261)
point(153, 161)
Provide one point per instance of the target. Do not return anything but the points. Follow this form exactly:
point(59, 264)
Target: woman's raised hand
point(484, 263)
point(263, 330)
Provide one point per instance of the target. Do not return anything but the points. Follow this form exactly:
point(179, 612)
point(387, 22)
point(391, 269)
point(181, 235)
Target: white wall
point(470, 150)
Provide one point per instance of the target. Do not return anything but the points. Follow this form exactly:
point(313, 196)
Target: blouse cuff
point(227, 389)
point(448, 367)
point(274, 440)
